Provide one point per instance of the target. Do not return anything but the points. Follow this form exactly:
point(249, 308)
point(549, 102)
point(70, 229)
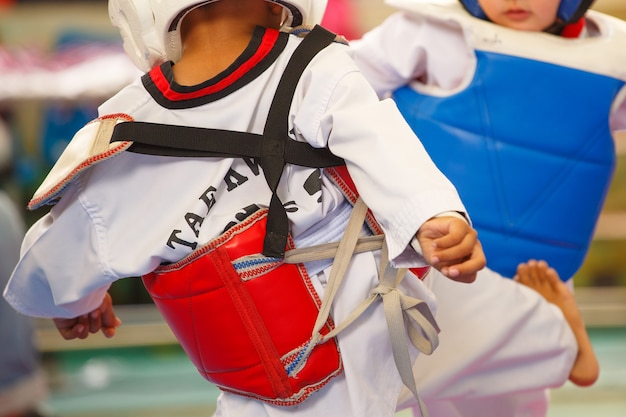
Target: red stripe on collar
point(160, 81)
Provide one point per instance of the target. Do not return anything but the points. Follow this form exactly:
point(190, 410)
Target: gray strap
point(329, 250)
point(408, 318)
point(404, 314)
point(345, 249)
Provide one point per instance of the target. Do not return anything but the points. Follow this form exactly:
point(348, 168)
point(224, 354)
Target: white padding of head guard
point(302, 12)
point(135, 21)
point(167, 17)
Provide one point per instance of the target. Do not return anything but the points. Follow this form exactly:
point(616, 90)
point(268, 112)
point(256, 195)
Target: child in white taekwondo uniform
point(493, 88)
point(183, 223)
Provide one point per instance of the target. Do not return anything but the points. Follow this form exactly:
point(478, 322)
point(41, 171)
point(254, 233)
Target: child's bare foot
point(545, 280)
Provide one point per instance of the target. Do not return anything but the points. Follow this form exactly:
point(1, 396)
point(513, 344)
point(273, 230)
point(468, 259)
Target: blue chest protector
point(528, 146)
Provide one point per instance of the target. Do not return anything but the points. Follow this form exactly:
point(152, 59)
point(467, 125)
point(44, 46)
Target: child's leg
point(545, 280)
point(499, 341)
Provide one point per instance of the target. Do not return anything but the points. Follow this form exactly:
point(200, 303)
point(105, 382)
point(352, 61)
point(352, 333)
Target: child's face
point(531, 15)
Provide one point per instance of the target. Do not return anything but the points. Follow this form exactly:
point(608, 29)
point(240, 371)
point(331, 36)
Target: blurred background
point(58, 62)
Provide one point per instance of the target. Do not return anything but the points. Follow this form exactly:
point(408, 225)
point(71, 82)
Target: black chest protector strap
point(273, 148)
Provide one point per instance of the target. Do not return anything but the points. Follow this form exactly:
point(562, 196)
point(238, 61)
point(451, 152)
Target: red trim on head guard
point(573, 30)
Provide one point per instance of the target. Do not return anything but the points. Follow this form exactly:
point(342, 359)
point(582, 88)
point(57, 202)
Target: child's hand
point(451, 246)
point(102, 318)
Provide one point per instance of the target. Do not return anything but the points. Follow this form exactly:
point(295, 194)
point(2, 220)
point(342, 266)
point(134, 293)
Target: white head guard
point(150, 29)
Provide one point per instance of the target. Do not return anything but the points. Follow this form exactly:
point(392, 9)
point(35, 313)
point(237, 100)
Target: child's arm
point(451, 245)
point(102, 318)
point(406, 48)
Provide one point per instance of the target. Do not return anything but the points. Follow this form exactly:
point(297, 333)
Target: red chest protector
point(244, 319)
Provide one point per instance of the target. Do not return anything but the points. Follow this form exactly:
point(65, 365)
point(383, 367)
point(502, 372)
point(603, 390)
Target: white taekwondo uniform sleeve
point(407, 47)
point(55, 261)
point(354, 120)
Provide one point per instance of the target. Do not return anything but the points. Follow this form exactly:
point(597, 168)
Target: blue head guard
point(569, 10)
